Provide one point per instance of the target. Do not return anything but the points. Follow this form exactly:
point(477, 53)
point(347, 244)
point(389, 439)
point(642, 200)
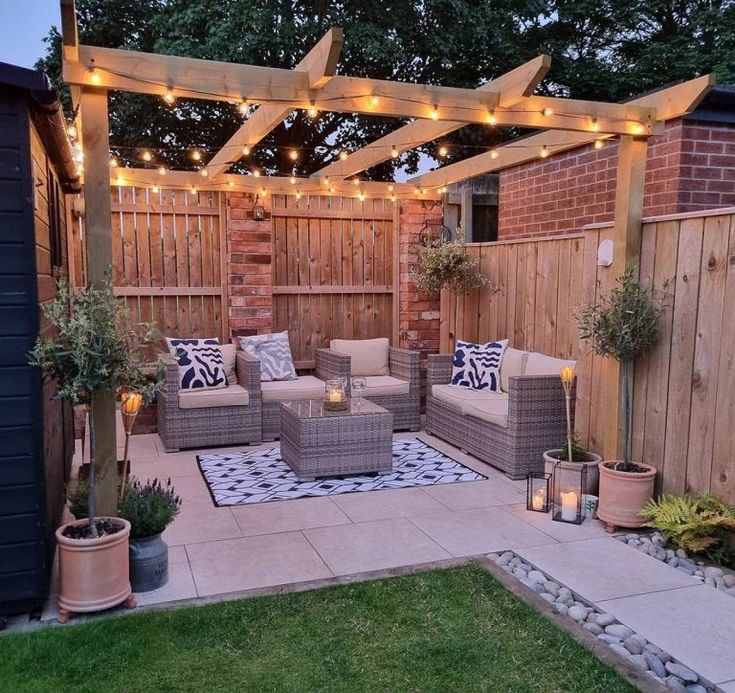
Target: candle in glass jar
point(569, 506)
point(335, 396)
point(538, 499)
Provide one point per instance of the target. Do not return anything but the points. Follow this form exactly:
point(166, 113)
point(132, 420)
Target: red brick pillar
point(249, 265)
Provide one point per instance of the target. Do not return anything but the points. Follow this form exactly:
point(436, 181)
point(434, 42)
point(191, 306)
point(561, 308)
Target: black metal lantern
point(569, 482)
point(258, 209)
point(538, 493)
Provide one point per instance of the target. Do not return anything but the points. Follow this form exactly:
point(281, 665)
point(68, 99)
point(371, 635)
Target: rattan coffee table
point(318, 443)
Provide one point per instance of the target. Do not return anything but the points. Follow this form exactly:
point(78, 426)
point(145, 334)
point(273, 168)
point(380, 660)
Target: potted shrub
point(93, 351)
point(149, 508)
point(623, 326)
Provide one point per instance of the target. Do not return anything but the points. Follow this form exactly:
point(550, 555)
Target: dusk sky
point(22, 28)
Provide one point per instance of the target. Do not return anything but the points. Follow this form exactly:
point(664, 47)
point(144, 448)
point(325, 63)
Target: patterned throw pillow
point(274, 353)
point(477, 366)
point(200, 363)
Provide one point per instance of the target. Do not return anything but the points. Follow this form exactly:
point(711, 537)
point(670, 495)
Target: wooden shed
point(37, 171)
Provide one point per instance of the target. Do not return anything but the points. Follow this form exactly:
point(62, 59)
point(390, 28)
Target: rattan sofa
point(207, 418)
point(509, 430)
point(399, 392)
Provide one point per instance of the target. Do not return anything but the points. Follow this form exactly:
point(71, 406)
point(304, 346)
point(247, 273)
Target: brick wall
point(690, 167)
point(249, 257)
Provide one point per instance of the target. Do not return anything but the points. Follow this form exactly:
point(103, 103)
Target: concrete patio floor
point(229, 551)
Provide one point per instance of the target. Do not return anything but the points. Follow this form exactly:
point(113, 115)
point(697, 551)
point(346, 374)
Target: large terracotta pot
point(93, 573)
point(623, 495)
point(551, 457)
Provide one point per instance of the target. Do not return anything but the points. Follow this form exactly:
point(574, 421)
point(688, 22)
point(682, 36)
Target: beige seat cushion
point(540, 364)
point(513, 363)
point(494, 411)
point(378, 385)
point(229, 352)
point(457, 396)
point(230, 396)
point(304, 387)
point(367, 356)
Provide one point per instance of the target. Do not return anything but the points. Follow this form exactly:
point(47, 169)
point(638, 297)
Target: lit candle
point(569, 506)
point(538, 499)
point(567, 374)
point(131, 402)
point(335, 396)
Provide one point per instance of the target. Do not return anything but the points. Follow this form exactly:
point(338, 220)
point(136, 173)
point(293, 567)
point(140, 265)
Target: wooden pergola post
point(99, 259)
point(627, 248)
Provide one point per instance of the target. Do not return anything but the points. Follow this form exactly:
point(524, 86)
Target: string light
point(203, 172)
point(417, 190)
point(638, 128)
point(392, 198)
point(193, 190)
point(114, 162)
point(443, 151)
point(443, 189)
point(374, 100)
point(244, 107)
point(394, 152)
point(343, 155)
point(146, 155)
point(196, 155)
point(94, 76)
point(71, 131)
point(120, 180)
point(355, 181)
point(312, 111)
point(293, 155)
point(490, 118)
point(298, 195)
point(494, 154)
point(155, 189)
point(544, 152)
point(391, 188)
point(168, 97)
point(292, 180)
point(162, 171)
point(263, 192)
point(256, 173)
point(361, 196)
point(231, 183)
point(595, 125)
point(599, 144)
point(331, 191)
point(326, 180)
point(435, 113)
point(547, 111)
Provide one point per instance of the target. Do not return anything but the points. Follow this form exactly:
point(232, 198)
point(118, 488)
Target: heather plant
point(149, 507)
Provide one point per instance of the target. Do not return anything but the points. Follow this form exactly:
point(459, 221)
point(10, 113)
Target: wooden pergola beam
point(670, 102)
point(319, 64)
point(150, 73)
point(511, 87)
point(187, 180)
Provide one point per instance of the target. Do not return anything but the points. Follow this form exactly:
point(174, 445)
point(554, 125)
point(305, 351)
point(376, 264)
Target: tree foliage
point(601, 50)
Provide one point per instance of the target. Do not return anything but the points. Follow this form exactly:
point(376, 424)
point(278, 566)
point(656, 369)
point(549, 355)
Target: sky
point(22, 28)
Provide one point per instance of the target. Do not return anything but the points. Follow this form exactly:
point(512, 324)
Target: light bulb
point(120, 180)
point(443, 189)
point(435, 113)
point(146, 155)
point(256, 173)
point(293, 155)
point(298, 195)
point(71, 130)
point(245, 150)
point(292, 180)
point(331, 190)
point(490, 118)
point(114, 162)
point(394, 152)
point(313, 112)
point(374, 100)
point(196, 155)
point(155, 189)
point(161, 170)
point(392, 198)
point(361, 197)
point(599, 144)
point(595, 125)
point(544, 152)
point(343, 155)
point(494, 154)
point(326, 180)
point(244, 107)
point(547, 111)
point(443, 151)
point(203, 172)
point(193, 190)
point(231, 183)
point(391, 187)
point(355, 181)
point(94, 76)
point(168, 97)
point(417, 190)
point(639, 128)
point(263, 192)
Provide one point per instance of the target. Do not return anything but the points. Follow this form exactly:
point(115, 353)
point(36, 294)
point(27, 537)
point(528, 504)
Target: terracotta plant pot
point(623, 495)
point(592, 462)
point(93, 573)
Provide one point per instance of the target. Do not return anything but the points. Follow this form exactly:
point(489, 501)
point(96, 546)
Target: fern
point(696, 524)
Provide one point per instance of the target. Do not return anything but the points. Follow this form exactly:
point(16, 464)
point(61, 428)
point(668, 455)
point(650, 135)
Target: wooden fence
point(684, 401)
point(333, 270)
point(167, 259)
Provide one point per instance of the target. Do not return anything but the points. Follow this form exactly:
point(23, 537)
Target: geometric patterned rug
point(241, 478)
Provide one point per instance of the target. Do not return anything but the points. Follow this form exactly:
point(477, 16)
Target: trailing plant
point(94, 350)
point(450, 266)
point(697, 524)
point(623, 326)
point(149, 507)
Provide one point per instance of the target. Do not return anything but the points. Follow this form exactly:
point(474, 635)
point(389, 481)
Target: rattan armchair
point(210, 426)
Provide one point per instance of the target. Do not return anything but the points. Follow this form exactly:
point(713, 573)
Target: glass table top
point(314, 408)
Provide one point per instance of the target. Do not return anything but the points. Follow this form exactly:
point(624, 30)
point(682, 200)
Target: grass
point(447, 630)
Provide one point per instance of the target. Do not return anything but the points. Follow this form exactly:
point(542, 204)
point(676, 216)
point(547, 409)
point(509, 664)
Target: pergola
point(313, 85)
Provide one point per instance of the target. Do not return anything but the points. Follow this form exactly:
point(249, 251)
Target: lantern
point(258, 209)
point(569, 482)
point(538, 492)
point(335, 397)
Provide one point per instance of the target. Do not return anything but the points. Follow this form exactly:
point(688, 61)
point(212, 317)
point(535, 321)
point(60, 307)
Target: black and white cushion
point(274, 353)
point(477, 366)
point(200, 363)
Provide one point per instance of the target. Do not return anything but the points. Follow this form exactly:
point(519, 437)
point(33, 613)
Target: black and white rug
point(242, 478)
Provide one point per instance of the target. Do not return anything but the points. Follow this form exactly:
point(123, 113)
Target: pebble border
point(632, 647)
point(653, 545)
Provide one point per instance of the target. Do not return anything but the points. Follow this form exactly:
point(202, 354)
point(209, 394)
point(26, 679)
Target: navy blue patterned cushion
point(200, 363)
point(477, 366)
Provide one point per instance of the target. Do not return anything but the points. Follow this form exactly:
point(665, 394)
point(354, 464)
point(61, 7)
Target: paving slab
point(251, 562)
point(474, 494)
point(198, 522)
point(479, 530)
point(286, 516)
point(695, 625)
point(381, 505)
point(561, 531)
point(605, 568)
point(727, 686)
point(357, 548)
point(180, 585)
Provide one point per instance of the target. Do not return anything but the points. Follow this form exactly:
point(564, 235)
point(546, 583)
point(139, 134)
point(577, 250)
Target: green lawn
point(456, 629)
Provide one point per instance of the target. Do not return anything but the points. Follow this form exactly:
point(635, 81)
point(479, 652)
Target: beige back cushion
point(513, 363)
point(540, 364)
point(367, 356)
point(229, 352)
